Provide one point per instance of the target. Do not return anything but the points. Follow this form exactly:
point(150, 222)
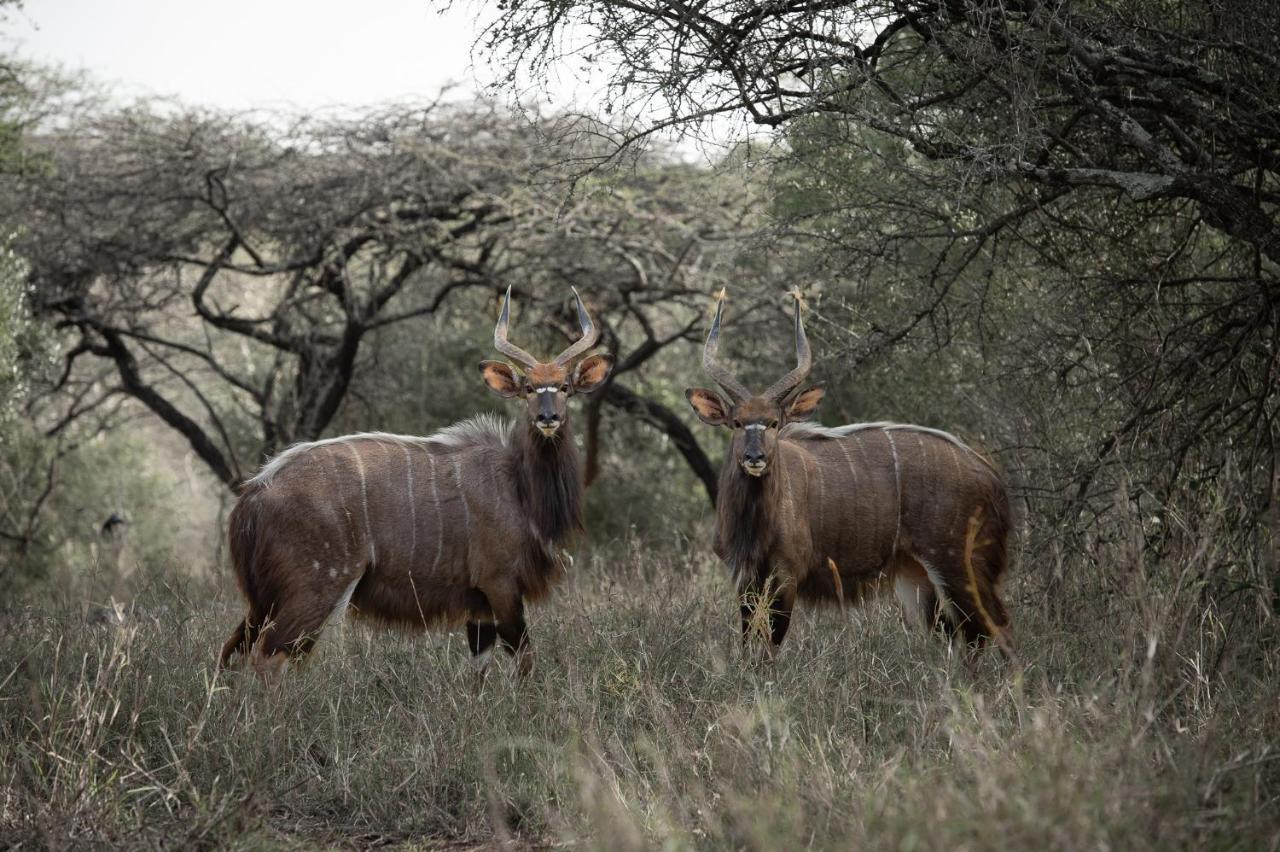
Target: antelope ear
point(591, 373)
point(500, 378)
point(805, 403)
point(708, 405)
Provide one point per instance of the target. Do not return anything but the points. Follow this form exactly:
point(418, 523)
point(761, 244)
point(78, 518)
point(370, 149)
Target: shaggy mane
point(813, 431)
point(475, 431)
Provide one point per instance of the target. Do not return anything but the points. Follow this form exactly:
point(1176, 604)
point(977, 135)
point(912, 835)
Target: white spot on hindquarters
point(480, 662)
point(333, 573)
point(315, 564)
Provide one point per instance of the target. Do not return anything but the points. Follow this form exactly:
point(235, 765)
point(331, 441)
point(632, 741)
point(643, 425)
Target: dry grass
point(1146, 720)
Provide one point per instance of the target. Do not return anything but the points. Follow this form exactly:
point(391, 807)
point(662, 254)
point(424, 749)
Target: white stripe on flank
point(364, 503)
point(462, 492)
point(822, 494)
point(413, 508)
point(897, 481)
point(804, 465)
point(435, 499)
point(957, 512)
point(853, 469)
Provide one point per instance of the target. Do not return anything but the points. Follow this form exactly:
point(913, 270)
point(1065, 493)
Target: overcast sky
point(242, 54)
point(287, 54)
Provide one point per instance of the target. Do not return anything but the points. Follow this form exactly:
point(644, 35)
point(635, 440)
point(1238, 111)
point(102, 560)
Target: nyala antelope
point(838, 514)
point(463, 525)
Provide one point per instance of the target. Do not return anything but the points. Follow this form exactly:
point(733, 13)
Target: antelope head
point(546, 386)
point(755, 419)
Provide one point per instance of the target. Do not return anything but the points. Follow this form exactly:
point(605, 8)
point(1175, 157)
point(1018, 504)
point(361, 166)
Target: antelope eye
point(737, 424)
point(528, 389)
point(773, 424)
point(564, 388)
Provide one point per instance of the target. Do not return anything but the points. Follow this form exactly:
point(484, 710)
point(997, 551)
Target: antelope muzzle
point(547, 420)
point(754, 460)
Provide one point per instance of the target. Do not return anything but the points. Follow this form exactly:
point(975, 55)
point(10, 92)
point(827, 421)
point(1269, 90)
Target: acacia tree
point(186, 249)
point(228, 273)
point(1122, 96)
point(1089, 190)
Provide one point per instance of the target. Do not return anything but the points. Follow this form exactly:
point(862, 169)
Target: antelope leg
point(780, 615)
point(515, 635)
point(480, 639)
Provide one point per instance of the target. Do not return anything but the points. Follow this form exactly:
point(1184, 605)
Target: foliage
point(987, 242)
point(56, 496)
point(1060, 220)
point(21, 344)
point(298, 243)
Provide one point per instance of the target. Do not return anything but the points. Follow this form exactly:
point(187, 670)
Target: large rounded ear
point(708, 405)
point(805, 403)
point(500, 378)
point(591, 373)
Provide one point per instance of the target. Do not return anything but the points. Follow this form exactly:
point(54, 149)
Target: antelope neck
point(548, 484)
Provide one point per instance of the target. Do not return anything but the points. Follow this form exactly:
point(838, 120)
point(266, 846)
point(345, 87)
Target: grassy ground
point(1145, 717)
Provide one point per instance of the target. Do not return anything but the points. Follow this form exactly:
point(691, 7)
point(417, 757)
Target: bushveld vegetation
point(1050, 229)
point(1145, 719)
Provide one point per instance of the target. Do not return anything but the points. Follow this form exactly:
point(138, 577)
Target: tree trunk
point(1275, 541)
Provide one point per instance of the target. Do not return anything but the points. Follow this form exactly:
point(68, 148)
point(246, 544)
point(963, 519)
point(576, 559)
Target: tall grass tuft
point(1143, 714)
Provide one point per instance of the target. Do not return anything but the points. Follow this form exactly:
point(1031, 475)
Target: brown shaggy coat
point(847, 512)
point(460, 525)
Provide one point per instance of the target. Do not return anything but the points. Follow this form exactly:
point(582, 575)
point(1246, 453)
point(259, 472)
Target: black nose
point(548, 419)
point(752, 457)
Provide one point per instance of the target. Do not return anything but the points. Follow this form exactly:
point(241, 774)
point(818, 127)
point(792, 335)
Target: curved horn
point(737, 392)
point(590, 334)
point(804, 361)
point(500, 342)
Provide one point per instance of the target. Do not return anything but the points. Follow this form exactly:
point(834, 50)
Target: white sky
point(241, 54)
point(286, 54)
